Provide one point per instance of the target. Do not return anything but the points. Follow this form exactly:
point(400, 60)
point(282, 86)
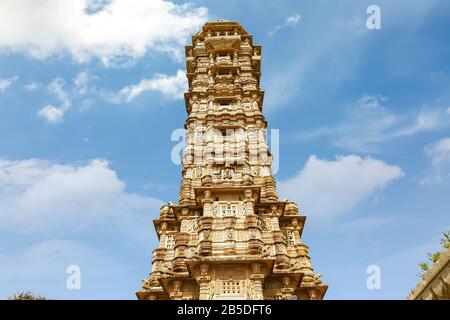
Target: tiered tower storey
point(230, 236)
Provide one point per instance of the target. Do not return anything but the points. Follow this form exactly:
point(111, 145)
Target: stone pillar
point(205, 226)
point(249, 202)
point(296, 229)
point(203, 282)
point(270, 189)
point(185, 191)
point(207, 204)
point(257, 278)
point(230, 240)
point(178, 263)
point(282, 259)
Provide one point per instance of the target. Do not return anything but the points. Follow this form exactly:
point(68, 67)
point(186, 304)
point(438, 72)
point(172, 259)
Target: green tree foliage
point(434, 257)
point(26, 295)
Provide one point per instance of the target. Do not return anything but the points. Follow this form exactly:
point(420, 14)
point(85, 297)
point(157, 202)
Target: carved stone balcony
point(223, 61)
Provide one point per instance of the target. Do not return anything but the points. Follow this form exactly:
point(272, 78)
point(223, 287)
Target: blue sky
point(90, 92)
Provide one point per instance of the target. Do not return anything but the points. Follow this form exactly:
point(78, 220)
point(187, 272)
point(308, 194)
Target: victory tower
point(230, 236)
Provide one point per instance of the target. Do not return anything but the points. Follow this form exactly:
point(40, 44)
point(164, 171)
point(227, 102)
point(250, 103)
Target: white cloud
point(40, 196)
point(290, 21)
point(81, 82)
point(6, 83)
point(108, 30)
point(171, 87)
point(57, 88)
point(32, 86)
point(326, 189)
point(439, 153)
point(50, 112)
point(368, 122)
point(80, 87)
point(81, 91)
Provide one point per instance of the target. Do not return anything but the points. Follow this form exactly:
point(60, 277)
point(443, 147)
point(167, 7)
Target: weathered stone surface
point(435, 285)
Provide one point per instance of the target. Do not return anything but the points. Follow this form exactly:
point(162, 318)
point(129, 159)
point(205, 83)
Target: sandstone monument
point(230, 236)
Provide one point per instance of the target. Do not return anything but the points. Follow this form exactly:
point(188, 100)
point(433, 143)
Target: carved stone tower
point(230, 236)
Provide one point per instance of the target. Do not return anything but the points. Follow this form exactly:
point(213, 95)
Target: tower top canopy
point(220, 28)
